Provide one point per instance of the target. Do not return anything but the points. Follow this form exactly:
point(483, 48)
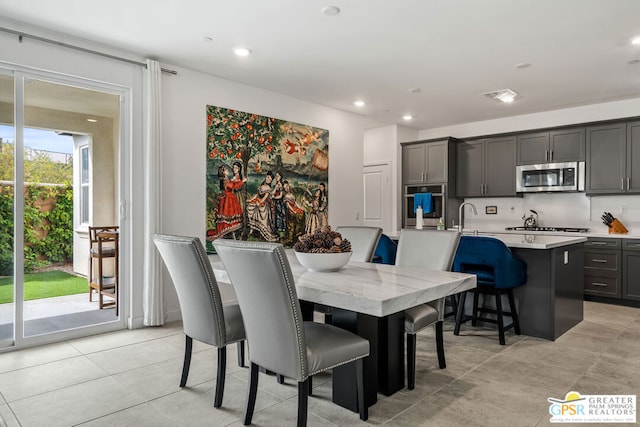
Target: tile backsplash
point(555, 210)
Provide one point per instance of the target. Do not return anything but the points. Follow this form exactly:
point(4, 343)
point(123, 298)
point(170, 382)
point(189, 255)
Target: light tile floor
point(130, 378)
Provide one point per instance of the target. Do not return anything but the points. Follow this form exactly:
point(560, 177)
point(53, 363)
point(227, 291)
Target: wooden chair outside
point(104, 246)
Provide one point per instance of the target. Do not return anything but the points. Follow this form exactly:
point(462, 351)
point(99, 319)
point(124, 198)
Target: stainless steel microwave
point(568, 176)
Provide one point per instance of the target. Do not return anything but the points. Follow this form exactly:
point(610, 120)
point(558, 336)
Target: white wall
point(382, 145)
point(184, 101)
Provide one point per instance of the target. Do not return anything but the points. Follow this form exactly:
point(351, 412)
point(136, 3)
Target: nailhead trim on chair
point(206, 266)
point(204, 262)
point(302, 350)
point(279, 252)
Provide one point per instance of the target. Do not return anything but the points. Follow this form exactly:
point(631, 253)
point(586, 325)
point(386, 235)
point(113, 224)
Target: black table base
point(383, 369)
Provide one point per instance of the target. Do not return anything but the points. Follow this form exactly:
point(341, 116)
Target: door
point(414, 163)
point(52, 210)
point(606, 163)
point(436, 162)
point(567, 145)
point(500, 167)
point(533, 148)
point(633, 157)
point(377, 196)
point(469, 169)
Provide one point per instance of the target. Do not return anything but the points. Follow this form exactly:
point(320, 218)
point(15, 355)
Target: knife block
point(617, 227)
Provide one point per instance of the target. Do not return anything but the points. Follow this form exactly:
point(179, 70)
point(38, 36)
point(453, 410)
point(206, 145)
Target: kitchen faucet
point(461, 216)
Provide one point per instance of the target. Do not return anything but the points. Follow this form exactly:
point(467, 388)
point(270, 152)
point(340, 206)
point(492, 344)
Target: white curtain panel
point(153, 303)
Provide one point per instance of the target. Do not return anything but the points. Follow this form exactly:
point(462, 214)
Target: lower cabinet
point(612, 268)
point(631, 269)
point(602, 267)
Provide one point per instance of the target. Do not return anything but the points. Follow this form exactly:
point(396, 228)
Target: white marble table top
point(375, 289)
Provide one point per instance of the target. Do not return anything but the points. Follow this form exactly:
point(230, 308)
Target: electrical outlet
point(623, 210)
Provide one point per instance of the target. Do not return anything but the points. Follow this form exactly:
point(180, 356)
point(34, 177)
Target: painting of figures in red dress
point(267, 178)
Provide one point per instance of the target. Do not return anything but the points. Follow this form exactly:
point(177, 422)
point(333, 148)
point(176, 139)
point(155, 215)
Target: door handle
point(622, 184)
point(603, 285)
point(602, 261)
point(628, 183)
point(546, 155)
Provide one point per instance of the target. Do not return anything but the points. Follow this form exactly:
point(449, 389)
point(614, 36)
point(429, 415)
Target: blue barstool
point(385, 252)
point(498, 271)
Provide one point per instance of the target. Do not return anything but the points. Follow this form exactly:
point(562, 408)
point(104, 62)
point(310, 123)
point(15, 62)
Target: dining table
point(367, 299)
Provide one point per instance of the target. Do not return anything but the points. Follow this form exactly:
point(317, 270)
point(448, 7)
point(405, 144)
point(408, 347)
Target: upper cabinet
point(613, 158)
point(562, 145)
point(486, 168)
point(425, 162)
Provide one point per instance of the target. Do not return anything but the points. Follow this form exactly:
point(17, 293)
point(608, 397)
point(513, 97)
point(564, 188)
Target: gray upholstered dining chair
point(279, 340)
point(205, 317)
point(431, 250)
point(363, 241)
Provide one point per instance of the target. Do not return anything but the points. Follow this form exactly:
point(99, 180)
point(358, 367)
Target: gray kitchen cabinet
point(552, 300)
point(424, 163)
point(486, 168)
point(469, 169)
point(633, 157)
point(560, 145)
point(613, 159)
point(631, 269)
point(606, 166)
point(602, 267)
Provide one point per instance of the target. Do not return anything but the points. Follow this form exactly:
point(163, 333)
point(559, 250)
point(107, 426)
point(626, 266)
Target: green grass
point(44, 285)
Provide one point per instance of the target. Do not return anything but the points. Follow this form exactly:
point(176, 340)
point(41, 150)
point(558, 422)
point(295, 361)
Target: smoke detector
point(502, 95)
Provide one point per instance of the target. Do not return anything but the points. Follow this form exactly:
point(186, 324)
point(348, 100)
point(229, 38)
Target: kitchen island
point(551, 302)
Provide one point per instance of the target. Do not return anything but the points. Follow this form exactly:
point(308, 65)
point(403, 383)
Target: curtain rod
point(22, 35)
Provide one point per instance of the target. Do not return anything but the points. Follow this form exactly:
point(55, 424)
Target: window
point(84, 184)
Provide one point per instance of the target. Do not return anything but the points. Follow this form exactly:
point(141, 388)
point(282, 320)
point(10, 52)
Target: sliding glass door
point(7, 184)
point(60, 174)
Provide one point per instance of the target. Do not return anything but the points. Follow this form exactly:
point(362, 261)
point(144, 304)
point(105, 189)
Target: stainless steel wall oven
point(438, 200)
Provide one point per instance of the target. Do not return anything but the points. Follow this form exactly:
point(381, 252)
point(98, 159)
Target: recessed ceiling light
point(502, 95)
point(330, 10)
point(358, 103)
point(92, 120)
point(523, 65)
point(415, 90)
point(635, 40)
point(242, 51)
point(407, 117)
point(208, 38)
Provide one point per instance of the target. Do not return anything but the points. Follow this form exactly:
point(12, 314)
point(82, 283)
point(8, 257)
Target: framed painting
point(266, 178)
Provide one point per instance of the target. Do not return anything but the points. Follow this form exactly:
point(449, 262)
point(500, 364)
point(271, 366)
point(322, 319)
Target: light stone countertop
point(375, 289)
point(598, 233)
point(535, 241)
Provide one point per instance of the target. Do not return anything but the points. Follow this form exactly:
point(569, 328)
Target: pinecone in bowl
point(322, 240)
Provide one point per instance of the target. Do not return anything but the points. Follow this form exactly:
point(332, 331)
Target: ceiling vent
point(503, 95)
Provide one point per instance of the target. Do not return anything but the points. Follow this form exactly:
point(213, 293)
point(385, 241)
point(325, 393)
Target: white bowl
point(324, 262)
